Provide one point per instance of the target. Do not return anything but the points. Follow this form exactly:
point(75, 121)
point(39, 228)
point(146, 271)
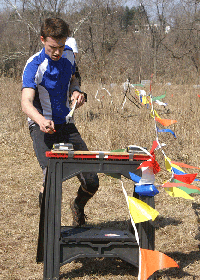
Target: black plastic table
point(59, 245)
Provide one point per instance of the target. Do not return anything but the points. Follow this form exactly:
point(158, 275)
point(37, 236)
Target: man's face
point(54, 47)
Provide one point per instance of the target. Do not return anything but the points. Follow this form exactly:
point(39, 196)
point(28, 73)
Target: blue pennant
point(135, 177)
point(166, 130)
point(146, 190)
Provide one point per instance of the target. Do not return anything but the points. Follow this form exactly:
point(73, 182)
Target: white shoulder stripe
point(40, 72)
point(31, 58)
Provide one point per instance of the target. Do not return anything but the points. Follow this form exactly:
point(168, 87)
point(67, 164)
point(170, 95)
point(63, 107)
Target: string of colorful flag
point(179, 185)
point(149, 260)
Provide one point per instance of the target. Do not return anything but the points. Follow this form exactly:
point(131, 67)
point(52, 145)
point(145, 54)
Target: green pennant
point(189, 191)
point(137, 85)
point(185, 189)
point(158, 97)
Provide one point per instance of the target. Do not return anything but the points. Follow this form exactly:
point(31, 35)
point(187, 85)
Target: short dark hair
point(55, 28)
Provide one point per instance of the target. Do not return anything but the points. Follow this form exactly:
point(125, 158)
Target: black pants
point(65, 133)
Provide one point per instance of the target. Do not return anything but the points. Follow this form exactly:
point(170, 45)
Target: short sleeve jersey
point(51, 81)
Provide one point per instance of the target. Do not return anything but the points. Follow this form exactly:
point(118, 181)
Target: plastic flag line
point(149, 261)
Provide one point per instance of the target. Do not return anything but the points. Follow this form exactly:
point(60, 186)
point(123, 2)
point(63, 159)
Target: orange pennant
point(181, 164)
point(165, 122)
point(171, 185)
point(152, 261)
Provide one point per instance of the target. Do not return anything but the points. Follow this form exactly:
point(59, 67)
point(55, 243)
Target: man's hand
point(47, 126)
point(79, 97)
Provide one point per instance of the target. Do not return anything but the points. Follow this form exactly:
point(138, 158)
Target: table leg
point(52, 228)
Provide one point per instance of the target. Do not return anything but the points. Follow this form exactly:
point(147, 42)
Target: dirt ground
point(177, 227)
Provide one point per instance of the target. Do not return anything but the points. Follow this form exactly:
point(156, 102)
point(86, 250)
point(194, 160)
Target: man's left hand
point(79, 97)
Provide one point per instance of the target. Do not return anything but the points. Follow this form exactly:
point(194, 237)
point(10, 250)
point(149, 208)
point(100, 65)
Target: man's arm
point(28, 95)
point(76, 93)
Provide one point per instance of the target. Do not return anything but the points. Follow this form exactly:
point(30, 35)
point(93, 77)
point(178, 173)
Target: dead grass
point(104, 126)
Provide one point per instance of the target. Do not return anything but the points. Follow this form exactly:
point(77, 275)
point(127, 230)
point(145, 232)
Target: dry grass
point(104, 126)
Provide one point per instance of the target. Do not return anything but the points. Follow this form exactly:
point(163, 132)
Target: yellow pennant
point(169, 165)
point(137, 92)
point(141, 211)
point(176, 192)
point(144, 100)
point(155, 114)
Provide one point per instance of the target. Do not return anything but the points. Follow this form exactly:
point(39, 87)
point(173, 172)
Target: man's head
point(54, 32)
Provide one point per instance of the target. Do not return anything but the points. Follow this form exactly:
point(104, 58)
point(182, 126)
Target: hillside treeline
point(115, 42)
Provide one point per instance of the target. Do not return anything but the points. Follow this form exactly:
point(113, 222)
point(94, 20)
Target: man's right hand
point(47, 126)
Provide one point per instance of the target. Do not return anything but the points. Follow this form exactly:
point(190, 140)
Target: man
point(48, 80)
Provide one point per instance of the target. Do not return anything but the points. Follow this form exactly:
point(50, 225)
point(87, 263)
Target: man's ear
point(42, 39)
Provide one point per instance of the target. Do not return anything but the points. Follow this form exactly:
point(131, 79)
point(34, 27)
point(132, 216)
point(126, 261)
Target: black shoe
point(78, 215)
point(40, 199)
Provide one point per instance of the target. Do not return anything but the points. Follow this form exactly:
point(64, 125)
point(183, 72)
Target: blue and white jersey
point(51, 81)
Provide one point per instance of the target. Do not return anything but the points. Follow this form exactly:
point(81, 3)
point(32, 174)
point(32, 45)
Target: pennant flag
point(154, 146)
point(135, 177)
point(152, 261)
point(141, 211)
point(165, 122)
point(142, 92)
point(148, 176)
point(179, 184)
point(147, 190)
point(176, 192)
point(160, 103)
point(137, 92)
point(181, 164)
point(179, 171)
point(186, 178)
point(144, 100)
point(151, 163)
point(189, 191)
point(137, 85)
point(169, 165)
point(155, 114)
point(158, 97)
point(166, 130)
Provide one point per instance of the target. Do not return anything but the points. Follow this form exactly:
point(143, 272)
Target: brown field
point(104, 126)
